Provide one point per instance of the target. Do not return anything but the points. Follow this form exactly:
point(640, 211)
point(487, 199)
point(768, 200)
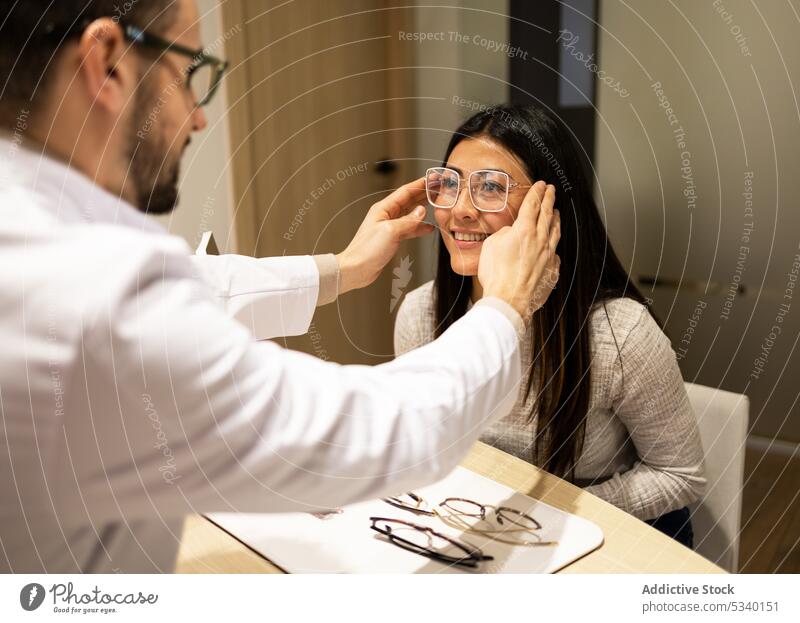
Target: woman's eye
point(492, 187)
point(449, 183)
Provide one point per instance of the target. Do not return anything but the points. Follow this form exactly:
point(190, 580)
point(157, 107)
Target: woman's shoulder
point(626, 340)
point(616, 320)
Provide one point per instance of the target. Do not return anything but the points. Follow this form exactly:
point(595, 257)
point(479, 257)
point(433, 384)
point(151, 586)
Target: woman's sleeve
point(650, 399)
point(409, 326)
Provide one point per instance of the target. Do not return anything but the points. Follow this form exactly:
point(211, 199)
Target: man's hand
point(548, 281)
point(515, 259)
point(388, 222)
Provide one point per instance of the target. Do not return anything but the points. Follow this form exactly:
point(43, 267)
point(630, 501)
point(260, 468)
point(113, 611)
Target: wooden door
point(319, 100)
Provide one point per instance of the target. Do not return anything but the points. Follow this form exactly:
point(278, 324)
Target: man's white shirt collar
point(73, 197)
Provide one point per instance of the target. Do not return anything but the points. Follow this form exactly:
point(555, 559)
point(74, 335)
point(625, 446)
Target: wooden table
point(630, 546)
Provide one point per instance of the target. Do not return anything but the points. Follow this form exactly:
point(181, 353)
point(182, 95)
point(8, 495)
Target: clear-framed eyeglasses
point(500, 523)
point(488, 189)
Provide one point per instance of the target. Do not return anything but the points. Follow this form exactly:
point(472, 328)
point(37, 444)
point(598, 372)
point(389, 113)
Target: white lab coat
point(133, 390)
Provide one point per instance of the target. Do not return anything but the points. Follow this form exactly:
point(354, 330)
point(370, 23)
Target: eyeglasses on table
point(501, 523)
point(419, 539)
point(426, 541)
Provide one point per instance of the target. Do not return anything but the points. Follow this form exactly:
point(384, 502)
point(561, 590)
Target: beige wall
point(688, 221)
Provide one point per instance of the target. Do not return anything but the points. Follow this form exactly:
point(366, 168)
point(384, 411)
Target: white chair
point(722, 418)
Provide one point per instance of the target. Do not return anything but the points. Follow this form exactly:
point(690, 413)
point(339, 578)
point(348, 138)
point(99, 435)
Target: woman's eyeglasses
point(488, 189)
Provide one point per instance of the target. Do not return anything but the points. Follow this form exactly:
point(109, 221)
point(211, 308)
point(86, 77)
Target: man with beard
point(135, 385)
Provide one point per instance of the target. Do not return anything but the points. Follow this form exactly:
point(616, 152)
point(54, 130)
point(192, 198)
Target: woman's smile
point(468, 240)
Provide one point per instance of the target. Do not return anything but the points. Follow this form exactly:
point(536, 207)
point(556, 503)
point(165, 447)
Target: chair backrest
point(722, 418)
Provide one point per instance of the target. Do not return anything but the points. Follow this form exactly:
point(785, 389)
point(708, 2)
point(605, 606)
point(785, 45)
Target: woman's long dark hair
point(590, 274)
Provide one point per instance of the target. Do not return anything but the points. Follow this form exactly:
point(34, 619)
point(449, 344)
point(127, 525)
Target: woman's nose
point(463, 210)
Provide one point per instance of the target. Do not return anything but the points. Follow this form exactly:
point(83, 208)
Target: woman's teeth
point(469, 237)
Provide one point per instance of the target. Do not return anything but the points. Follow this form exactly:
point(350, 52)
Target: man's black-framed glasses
point(203, 76)
point(426, 541)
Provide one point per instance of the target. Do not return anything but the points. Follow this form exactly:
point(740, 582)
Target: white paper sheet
point(344, 543)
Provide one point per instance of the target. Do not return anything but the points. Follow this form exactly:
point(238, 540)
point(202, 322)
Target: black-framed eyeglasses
point(202, 77)
point(488, 189)
point(426, 541)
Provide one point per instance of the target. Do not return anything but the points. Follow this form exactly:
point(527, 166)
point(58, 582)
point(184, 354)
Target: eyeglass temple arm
point(136, 34)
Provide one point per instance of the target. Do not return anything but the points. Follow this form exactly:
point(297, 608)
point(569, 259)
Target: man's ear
point(107, 65)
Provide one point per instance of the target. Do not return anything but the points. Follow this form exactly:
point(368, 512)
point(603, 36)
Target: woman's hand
point(396, 218)
point(515, 259)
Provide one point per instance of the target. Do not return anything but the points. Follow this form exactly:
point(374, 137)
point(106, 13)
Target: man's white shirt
point(134, 390)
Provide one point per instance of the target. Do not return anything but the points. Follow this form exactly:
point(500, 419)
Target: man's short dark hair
point(31, 36)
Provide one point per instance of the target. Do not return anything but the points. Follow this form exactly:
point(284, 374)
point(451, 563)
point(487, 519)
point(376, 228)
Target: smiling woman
point(604, 404)
point(495, 183)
